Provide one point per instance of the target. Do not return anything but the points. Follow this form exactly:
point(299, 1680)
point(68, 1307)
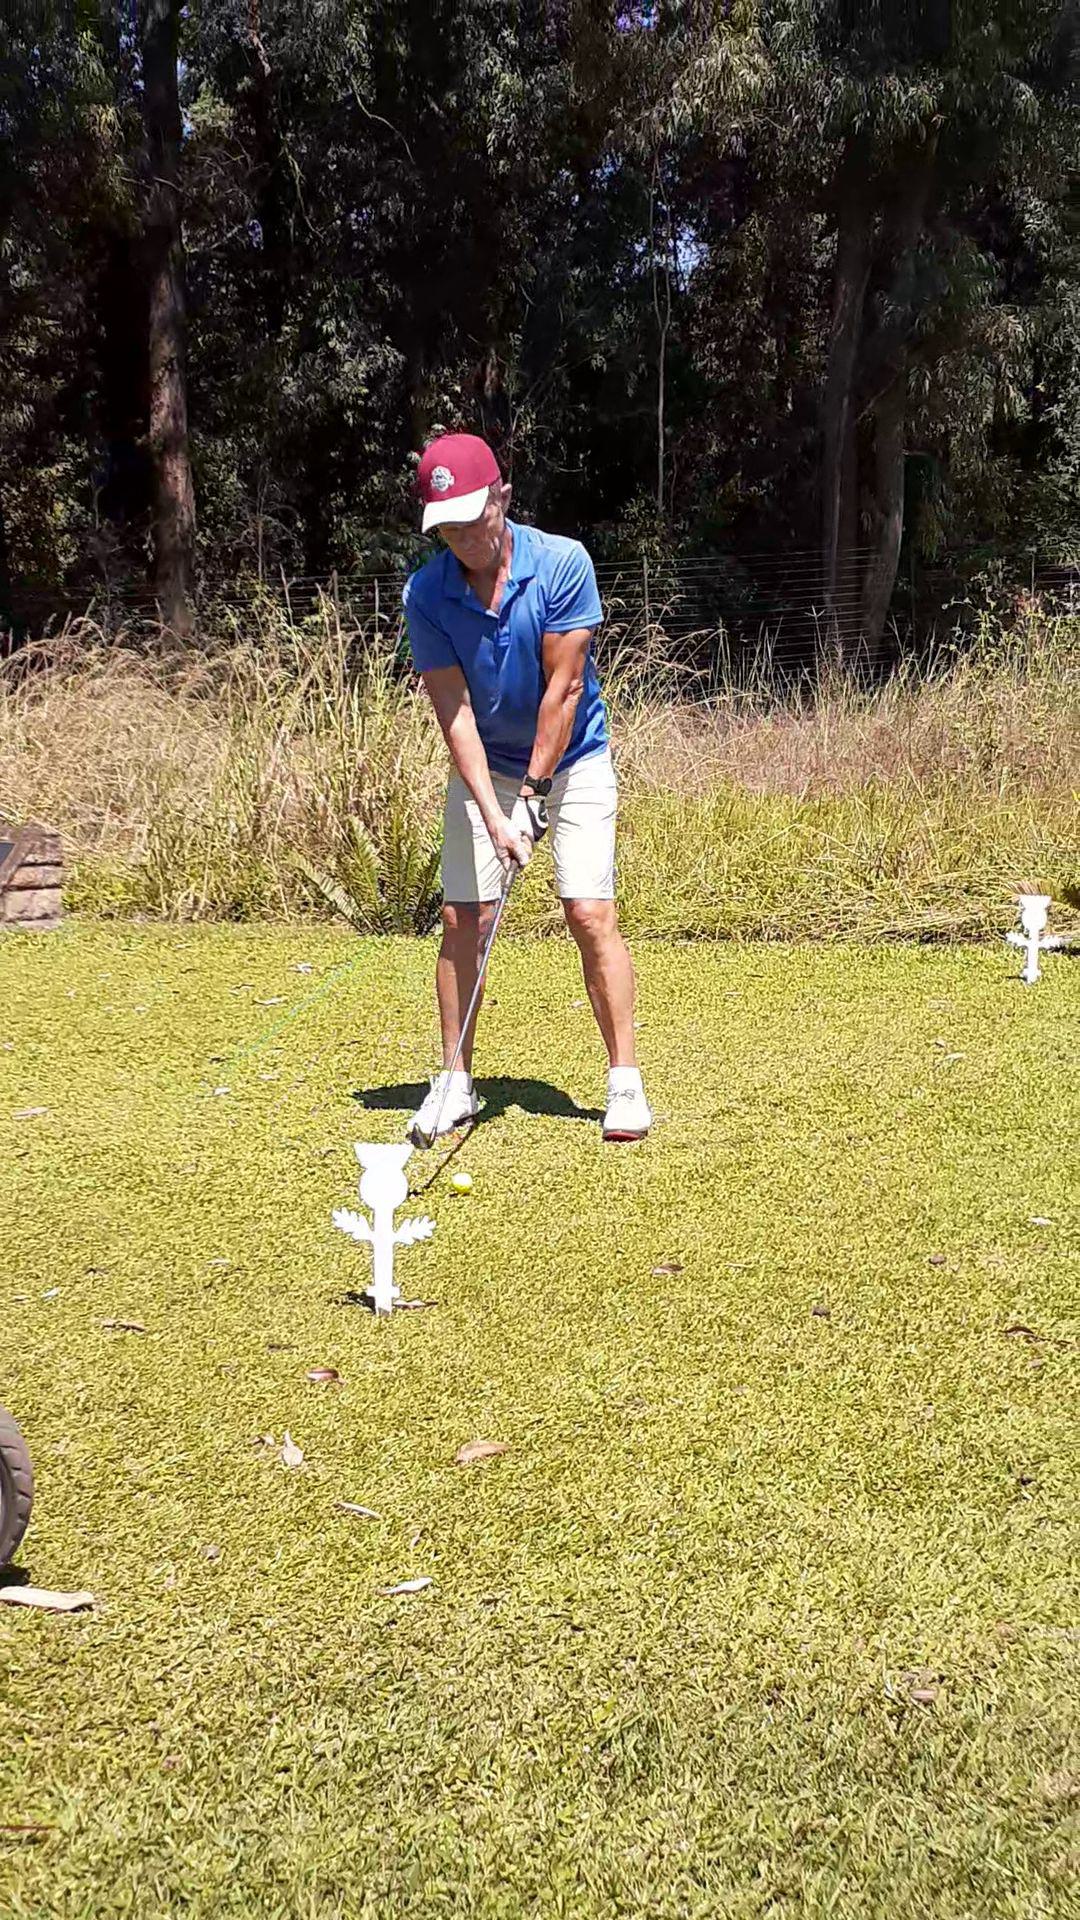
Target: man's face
point(477, 544)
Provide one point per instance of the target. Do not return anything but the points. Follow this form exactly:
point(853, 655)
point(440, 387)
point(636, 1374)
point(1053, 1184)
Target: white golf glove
point(529, 818)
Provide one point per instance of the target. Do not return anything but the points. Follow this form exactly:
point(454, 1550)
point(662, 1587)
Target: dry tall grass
point(188, 786)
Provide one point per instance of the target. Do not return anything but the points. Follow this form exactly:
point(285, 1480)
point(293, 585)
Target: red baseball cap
point(453, 479)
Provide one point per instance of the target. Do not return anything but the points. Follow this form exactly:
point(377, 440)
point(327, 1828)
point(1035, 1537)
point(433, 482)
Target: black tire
point(16, 1486)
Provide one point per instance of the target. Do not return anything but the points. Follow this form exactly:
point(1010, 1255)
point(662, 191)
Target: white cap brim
point(455, 513)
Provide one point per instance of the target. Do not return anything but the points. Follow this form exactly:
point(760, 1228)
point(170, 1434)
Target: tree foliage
point(723, 274)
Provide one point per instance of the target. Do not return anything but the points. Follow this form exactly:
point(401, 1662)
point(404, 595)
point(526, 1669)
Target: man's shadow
point(496, 1097)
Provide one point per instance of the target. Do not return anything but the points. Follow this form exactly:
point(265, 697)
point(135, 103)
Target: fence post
point(645, 584)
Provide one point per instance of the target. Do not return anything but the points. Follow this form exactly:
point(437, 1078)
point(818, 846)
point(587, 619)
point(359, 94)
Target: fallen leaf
point(222, 1090)
point(291, 1454)
point(264, 1440)
point(1025, 1333)
point(1040, 1220)
point(405, 1586)
point(936, 1260)
point(324, 1377)
point(1062, 1785)
point(275, 1000)
point(413, 1306)
point(924, 1696)
point(51, 1293)
point(353, 1506)
point(211, 1553)
point(280, 1346)
point(124, 1326)
point(44, 1598)
point(820, 1312)
point(416, 1538)
point(30, 1113)
point(302, 966)
point(474, 1451)
point(667, 1266)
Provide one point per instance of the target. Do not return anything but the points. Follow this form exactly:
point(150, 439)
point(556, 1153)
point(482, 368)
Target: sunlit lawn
point(771, 1606)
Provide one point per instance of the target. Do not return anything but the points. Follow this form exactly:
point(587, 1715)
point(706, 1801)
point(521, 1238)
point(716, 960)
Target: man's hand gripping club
point(515, 837)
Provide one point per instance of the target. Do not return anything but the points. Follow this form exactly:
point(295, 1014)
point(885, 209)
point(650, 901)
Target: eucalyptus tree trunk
point(493, 410)
point(6, 614)
point(884, 388)
point(174, 498)
point(268, 185)
point(886, 513)
point(839, 450)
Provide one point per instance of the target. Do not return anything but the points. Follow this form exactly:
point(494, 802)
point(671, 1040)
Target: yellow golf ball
point(461, 1182)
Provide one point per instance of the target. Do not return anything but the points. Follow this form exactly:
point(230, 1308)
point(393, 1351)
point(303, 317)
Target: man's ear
point(504, 495)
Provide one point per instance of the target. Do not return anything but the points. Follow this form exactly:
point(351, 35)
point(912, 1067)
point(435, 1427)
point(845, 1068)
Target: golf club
point(428, 1139)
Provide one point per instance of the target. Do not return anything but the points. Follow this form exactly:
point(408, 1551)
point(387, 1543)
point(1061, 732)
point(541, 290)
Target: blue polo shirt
point(551, 589)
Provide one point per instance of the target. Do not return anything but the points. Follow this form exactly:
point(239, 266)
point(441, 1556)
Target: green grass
point(666, 1665)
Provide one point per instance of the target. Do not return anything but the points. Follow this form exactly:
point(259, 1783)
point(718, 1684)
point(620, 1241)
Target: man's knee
point(466, 922)
point(592, 922)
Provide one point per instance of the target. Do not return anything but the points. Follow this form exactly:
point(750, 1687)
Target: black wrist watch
point(541, 788)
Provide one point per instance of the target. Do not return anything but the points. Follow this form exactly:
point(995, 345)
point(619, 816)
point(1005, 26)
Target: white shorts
point(581, 833)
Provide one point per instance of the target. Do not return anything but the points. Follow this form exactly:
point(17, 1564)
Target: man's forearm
point(554, 725)
point(467, 751)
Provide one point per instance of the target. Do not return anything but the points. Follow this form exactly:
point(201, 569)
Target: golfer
point(501, 625)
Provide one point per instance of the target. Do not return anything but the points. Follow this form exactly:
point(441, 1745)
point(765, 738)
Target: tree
point(174, 498)
point(912, 114)
point(55, 177)
point(755, 275)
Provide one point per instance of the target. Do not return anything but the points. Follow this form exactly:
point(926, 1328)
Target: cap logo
point(441, 479)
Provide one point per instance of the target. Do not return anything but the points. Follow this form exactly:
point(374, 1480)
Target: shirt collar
point(522, 564)
point(523, 557)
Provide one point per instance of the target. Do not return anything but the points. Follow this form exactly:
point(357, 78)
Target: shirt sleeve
point(574, 600)
point(429, 645)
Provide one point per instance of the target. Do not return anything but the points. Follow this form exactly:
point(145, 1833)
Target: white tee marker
point(1034, 913)
point(383, 1188)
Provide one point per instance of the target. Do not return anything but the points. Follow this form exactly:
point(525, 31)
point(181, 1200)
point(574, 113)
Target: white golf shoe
point(459, 1105)
point(629, 1115)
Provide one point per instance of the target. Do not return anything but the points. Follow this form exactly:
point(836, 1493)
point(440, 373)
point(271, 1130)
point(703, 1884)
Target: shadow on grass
point(497, 1096)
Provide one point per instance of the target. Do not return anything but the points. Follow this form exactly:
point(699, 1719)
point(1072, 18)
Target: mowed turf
point(770, 1608)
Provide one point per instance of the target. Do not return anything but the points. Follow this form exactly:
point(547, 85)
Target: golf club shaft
point(512, 872)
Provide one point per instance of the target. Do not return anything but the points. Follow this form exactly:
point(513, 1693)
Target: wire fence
point(765, 611)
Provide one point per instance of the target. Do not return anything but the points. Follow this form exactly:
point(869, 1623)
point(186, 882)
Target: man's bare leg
point(609, 974)
point(466, 926)
point(609, 982)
